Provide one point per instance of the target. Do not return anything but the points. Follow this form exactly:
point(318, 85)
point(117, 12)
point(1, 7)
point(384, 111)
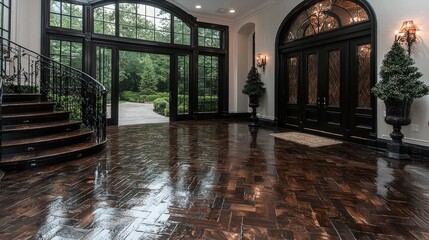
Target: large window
point(208, 83)
point(182, 32)
point(144, 22)
point(141, 51)
point(208, 37)
point(67, 52)
point(66, 15)
point(5, 18)
point(105, 20)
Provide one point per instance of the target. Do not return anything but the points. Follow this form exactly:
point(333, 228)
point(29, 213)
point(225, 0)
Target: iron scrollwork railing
point(26, 72)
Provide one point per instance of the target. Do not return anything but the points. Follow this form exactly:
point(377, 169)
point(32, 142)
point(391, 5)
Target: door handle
point(323, 102)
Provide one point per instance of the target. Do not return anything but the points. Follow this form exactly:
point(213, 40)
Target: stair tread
point(21, 94)
point(32, 126)
point(53, 152)
point(37, 114)
point(45, 138)
point(13, 104)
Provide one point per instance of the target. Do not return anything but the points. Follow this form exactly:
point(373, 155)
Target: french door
point(324, 81)
point(328, 88)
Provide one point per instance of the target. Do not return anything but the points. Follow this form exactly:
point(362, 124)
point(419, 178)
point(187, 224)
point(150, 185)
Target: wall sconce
point(261, 61)
point(407, 35)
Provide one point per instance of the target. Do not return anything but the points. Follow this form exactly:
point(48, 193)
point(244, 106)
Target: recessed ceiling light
point(198, 6)
point(232, 11)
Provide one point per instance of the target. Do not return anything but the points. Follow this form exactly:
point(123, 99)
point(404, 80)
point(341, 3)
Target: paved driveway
point(139, 113)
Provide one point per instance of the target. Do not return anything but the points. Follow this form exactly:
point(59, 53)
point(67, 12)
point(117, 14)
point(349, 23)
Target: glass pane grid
point(144, 22)
point(182, 32)
point(105, 20)
point(208, 79)
point(5, 18)
point(209, 38)
point(67, 52)
point(66, 15)
point(183, 85)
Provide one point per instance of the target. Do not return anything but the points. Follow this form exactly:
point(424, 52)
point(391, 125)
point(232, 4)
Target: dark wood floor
point(212, 180)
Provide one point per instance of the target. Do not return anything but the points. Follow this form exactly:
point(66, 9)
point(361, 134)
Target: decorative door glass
point(364, 75)
point(312, 76)
point(334, 86)
point(292, 66)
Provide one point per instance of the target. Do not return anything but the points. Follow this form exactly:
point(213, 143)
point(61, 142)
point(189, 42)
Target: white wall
point(26, 23)
point(388, 21)
point(267, 22)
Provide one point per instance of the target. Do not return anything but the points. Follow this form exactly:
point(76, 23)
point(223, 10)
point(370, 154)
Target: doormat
point(306, 139)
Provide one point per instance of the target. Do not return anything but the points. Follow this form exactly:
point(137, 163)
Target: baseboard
point(267, 122)
point(204, 116)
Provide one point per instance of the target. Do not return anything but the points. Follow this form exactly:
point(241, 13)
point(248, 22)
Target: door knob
point(324, 102)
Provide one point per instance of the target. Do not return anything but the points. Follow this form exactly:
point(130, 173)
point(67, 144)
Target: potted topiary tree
point(398, 88)
point(255, 89)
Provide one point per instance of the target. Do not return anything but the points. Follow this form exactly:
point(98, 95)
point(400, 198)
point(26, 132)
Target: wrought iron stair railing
point(24, 71)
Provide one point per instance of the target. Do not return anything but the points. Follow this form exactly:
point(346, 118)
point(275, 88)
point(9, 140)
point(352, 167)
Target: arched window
point(325, 16)
point(140, 21)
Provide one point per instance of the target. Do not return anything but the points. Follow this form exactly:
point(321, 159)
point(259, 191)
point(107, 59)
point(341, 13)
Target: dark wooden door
point(324, 88)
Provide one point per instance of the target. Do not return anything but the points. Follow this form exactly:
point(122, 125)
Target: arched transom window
point(325, 16)
point(140, 21)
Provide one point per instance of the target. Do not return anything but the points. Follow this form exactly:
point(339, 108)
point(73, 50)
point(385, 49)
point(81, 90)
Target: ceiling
point(219, 9)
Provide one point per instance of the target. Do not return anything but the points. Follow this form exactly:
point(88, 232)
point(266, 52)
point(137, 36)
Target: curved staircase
point(37, 131)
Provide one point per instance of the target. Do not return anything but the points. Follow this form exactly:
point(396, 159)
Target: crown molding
point(226, 19)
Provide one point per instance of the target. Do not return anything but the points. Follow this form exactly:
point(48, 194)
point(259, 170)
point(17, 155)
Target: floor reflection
point(217, 180)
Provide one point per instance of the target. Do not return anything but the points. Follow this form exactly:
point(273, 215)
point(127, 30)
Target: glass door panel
point(183, 85)
point(334, 86)
point(104, 73)
point(208, 84)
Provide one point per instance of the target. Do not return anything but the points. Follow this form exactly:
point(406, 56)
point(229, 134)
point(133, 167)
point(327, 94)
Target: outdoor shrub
point(152, 98)
point(131, 96)
point(159, 106)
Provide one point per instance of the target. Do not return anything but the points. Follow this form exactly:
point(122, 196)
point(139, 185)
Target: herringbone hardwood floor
point(213, 180)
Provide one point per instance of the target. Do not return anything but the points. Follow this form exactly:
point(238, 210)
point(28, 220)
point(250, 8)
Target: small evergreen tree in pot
point(254, 88)
point(398, 88)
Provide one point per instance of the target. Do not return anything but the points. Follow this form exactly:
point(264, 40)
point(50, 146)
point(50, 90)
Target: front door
point(328, 89)
point(324, 81)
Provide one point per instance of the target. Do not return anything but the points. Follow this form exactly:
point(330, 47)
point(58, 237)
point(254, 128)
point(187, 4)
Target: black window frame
point(90, 40)
point(6, 28)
